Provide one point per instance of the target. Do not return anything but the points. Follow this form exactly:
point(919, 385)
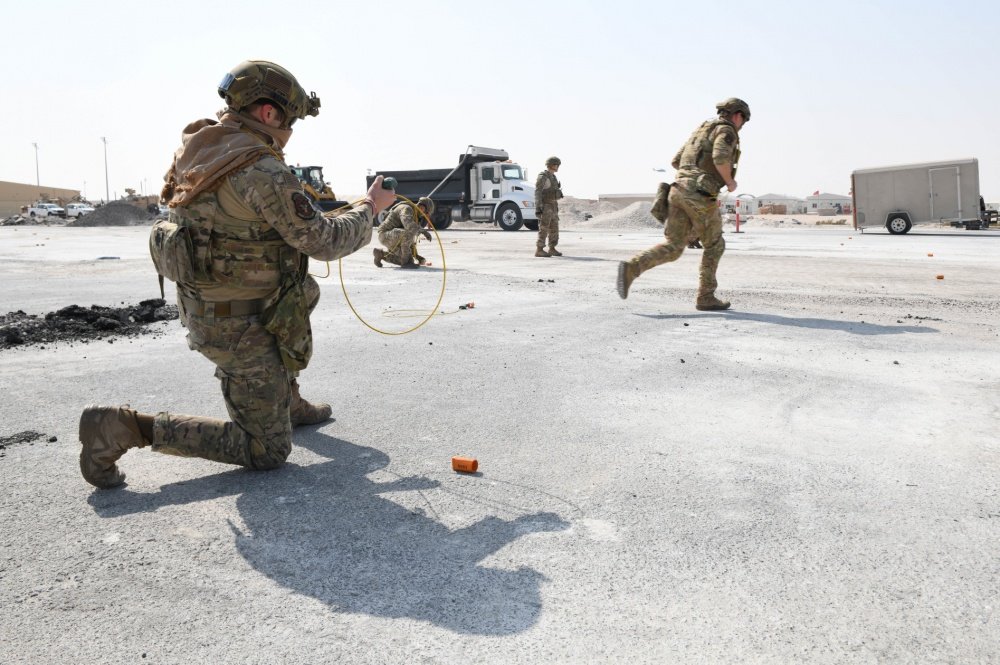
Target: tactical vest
point(551, 195)
point(697, 171)
point(221, 249)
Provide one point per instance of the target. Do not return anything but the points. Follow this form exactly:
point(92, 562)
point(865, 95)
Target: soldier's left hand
point(427, 234)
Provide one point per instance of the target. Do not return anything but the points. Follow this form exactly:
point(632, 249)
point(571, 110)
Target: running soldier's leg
point(255, 385)
point(715, 245)
point(676, 230)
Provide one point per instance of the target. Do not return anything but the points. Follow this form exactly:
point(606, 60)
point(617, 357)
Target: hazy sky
point(613, 88)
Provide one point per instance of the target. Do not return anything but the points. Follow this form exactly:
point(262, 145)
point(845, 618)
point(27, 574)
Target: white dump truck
point(897, 197)
point(485, 186)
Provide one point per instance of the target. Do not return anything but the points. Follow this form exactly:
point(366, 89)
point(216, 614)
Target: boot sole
point(622, 288)
point(712, 308)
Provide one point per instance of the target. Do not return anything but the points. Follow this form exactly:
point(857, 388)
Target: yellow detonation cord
point(444, 276)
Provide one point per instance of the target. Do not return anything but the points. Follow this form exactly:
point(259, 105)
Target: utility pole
point(38, 181)
point(107, 193)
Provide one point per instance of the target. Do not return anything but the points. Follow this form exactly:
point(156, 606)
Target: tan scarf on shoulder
point(211, 150)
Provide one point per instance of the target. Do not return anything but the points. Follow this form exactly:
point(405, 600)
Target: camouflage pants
point(399, 245)
point(691, 216)
point(256, 387)
point(548, 229)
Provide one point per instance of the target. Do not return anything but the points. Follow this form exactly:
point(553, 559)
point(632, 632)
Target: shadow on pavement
point(854, 327)
point(324, 531)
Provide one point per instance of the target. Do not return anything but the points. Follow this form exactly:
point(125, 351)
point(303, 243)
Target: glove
point(427, 234)
point(538, 211)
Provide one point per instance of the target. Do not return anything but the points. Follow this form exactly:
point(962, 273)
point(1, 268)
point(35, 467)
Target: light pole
point(107, 193)
point(38, 181)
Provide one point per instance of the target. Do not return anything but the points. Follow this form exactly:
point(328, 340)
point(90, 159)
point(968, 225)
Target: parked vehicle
point(485, 187)
point(41, 209)
point(78, 209)
point(897, 197)
point(317, 188)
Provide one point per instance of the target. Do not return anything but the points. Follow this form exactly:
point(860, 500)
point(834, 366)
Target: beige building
point(13, 195)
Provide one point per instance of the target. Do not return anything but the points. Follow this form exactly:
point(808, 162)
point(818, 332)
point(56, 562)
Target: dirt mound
point(633, 216)
point(573, 210)
point(116, 213)
point(76, 323)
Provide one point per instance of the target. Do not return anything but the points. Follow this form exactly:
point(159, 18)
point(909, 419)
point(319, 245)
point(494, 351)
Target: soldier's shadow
point(325, 531)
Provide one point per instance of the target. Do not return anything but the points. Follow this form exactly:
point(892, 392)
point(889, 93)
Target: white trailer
point(897, 197)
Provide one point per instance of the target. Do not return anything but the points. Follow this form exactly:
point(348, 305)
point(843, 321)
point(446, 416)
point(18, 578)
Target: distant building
point(837, 203)
point(13, 195)
point(792, 204)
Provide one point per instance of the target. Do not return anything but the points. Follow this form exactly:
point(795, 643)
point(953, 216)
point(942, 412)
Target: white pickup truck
point(45, 210)
point(77, 209)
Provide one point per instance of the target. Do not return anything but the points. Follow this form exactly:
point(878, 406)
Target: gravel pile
point(633, 216)
point(573, 210)
point(116, 213)
point(76, 323)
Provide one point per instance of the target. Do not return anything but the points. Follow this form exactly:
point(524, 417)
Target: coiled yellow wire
point(444, 277)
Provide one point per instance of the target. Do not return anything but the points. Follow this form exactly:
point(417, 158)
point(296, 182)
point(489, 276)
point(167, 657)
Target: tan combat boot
point(627, 272)
point(553, 252)
point(379, 255)
point(711, 304)
point(302, 412)
point(106, 432)
point(541, 252)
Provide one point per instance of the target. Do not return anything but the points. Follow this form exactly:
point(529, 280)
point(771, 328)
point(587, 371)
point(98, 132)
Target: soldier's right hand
point(731, 185)
point(382, 198)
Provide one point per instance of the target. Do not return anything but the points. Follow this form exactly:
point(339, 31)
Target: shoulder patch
point(729, 138)
point(303, 206)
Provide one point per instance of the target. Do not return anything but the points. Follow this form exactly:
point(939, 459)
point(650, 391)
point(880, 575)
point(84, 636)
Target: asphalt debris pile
point(115, 213)
point(27, 436)
point(83, 324)
point(21, 220)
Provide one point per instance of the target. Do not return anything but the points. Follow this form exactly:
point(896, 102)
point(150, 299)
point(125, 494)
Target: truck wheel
point(898, 225)
point(531, 225)
point(509, 217)
point(441, 222)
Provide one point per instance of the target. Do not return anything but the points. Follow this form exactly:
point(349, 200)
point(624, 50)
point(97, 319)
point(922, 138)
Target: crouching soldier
point(398, 233)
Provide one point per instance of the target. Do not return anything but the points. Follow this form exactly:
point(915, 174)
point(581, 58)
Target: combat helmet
point(553, 161)
point(734, 105)
point(252, 80)
point(426, 203)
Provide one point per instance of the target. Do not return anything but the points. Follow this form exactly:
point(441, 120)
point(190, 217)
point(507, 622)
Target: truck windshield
point(512, 172)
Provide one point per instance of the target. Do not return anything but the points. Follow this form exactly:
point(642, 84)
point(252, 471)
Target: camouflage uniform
point(693, 199)
point(398, 233)
point(548, 191)
point(254, 232)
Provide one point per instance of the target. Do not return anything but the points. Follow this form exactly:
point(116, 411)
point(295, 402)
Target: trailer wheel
point(509, 217)
point(531, 224)
point(898, 224)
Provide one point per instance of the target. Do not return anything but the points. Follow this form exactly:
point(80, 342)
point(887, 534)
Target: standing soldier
point(705, 164)
point(237, 242)
point(399, 234)
point(548, 191)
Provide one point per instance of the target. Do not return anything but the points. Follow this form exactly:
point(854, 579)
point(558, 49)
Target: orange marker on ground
point(930, 253)
point(464, 464)
point(940, 276)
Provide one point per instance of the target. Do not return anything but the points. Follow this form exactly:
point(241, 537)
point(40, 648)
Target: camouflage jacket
point(400, 217)
point(255, 226)
point(715, 142)
point(548, 191)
